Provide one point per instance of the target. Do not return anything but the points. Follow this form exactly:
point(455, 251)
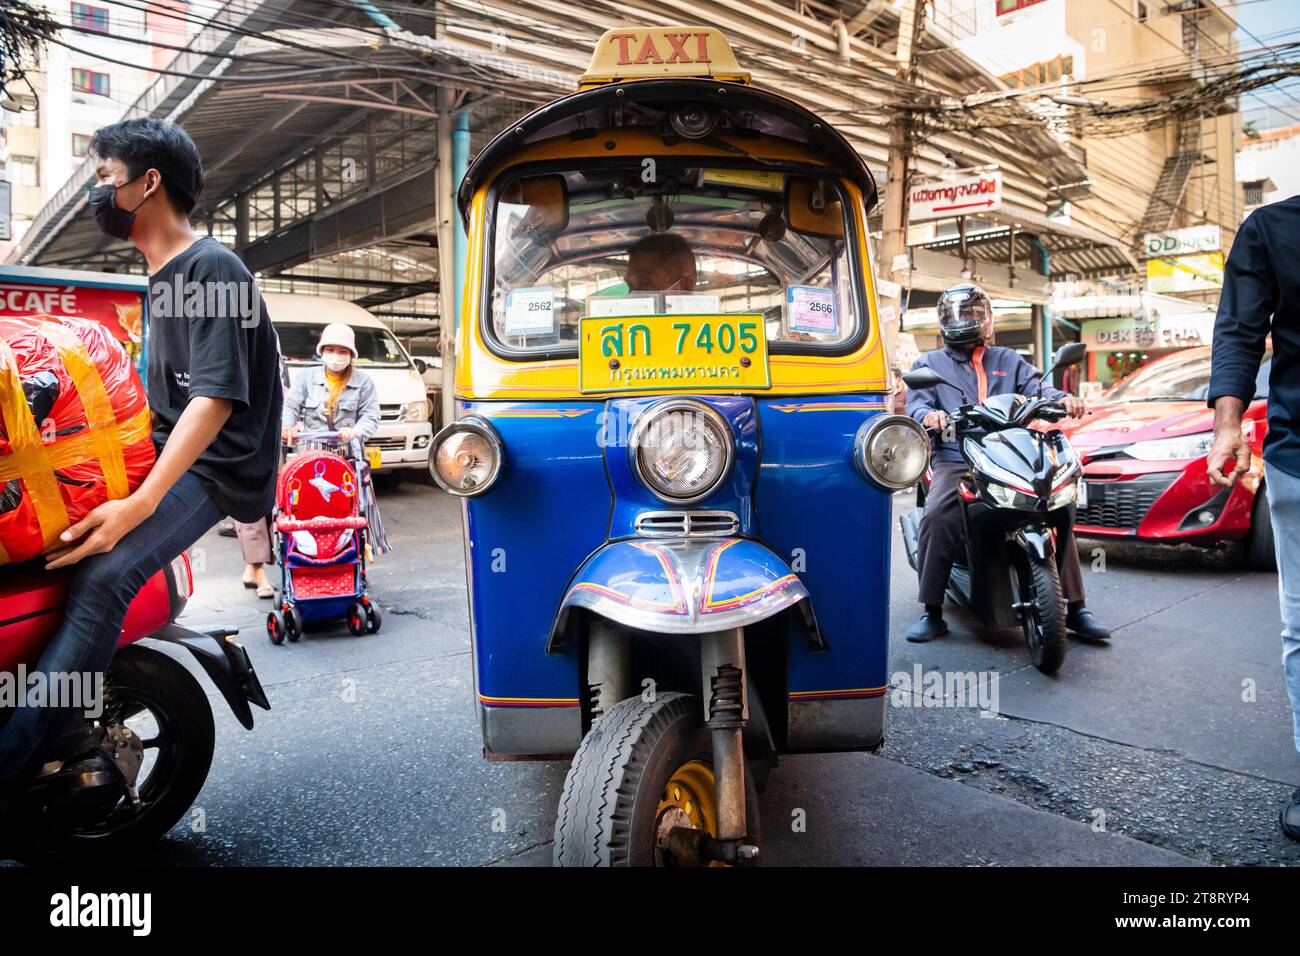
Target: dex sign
point(956, 197)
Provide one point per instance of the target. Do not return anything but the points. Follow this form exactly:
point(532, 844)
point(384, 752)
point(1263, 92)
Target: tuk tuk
point(673, 448)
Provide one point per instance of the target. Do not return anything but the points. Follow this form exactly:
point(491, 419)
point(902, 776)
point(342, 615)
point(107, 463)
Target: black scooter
point(1017, 495)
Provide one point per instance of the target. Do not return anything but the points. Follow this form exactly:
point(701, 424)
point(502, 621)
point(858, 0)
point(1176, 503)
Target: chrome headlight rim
point(862, 444)
point(479, 426)
point(665, 406)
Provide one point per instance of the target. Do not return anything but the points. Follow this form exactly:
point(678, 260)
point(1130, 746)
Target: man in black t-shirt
point(214, 391)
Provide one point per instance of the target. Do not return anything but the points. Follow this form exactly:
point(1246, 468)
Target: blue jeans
point(1284, 507)
point(102, 587)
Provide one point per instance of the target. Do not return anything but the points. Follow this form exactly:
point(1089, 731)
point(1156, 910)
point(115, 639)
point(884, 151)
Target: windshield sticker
point(531, 311)
point(697, 304)
point(606, 306)
point(753, 178)
point(810, 309)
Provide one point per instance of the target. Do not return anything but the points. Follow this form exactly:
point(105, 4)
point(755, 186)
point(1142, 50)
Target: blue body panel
point(562, 495)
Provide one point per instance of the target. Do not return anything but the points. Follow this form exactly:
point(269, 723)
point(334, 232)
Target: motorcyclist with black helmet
point(980, 369)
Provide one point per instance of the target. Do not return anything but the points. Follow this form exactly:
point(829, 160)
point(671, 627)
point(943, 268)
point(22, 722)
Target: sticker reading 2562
point(530, 311)
point(664, 353)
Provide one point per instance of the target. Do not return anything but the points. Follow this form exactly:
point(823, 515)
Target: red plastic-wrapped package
point(74, 428)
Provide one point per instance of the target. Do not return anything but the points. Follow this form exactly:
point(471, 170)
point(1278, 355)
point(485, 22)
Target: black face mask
point(111, 218)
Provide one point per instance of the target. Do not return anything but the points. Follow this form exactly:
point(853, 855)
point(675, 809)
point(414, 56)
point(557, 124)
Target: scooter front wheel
point(643, 768)
point(1042, 610)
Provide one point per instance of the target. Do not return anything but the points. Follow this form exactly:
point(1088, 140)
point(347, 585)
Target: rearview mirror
point(813, 208)
point(547, 202)
point(1071, 353)
point(421, 365)
point(923, 378)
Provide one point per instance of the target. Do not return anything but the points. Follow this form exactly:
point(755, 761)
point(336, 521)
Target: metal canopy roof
point(293, 104)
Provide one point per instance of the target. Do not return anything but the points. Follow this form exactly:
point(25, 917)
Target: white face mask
point(336, 363)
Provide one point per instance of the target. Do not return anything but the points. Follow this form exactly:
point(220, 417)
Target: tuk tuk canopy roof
point(648, 104)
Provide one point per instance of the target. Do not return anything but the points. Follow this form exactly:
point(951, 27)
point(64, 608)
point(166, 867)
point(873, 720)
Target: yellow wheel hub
point(689, 800)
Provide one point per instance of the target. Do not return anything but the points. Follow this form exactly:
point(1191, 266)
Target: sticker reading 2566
point(530, 311)
point(681, 352)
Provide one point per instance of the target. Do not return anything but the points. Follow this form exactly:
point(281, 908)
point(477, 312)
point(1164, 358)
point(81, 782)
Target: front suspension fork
point(722, 657)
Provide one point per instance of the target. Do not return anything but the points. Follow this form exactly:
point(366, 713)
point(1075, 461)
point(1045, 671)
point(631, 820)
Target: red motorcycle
point(124, 777)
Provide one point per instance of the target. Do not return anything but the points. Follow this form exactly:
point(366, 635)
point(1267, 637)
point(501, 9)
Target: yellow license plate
point(375, 457)
point(672, 353)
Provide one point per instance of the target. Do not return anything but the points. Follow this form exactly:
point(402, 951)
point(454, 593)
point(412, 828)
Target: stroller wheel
point(357, 619)
point(374, 618)
point(293, 625)
point(274, 628)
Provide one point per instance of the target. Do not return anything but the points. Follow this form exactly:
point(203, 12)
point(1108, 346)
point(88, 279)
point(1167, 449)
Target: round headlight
point(893, 451)
point(467, 457)
point(682, 450)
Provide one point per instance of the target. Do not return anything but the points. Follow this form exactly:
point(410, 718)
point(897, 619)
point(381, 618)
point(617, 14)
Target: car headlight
point(467, 456)
point(416, 411)
point(1170, 449)
point(682, 450)
point(892, 451)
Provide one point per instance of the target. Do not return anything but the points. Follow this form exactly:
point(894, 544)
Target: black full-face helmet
point(965, 315)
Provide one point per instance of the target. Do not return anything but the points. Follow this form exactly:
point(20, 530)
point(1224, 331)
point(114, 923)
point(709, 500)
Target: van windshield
point(375, 347)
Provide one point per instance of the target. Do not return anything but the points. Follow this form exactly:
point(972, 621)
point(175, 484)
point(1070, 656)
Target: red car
point(1144, 451)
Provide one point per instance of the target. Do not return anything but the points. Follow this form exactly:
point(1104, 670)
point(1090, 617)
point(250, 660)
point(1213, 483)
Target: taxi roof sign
point(641, 53)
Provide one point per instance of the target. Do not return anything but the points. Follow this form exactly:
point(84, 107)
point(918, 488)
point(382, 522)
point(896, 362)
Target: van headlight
point(416, 411)
point(682, 450)
point(892, 451)
point(467, 456)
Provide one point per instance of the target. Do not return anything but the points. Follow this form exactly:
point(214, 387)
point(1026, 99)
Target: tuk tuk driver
point(970, 360)
point(661, 262)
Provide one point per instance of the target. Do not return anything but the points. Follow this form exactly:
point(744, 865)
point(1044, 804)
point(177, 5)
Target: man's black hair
point(144, 144)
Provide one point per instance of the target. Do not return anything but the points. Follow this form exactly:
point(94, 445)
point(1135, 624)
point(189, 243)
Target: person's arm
point(923, 403)
point(367, 410)
point(1240, 329)
point(195, 430)
point(293, 402)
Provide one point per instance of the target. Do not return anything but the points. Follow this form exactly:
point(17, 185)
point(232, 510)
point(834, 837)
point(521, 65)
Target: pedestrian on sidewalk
point(1261, 297)
point(255, 543)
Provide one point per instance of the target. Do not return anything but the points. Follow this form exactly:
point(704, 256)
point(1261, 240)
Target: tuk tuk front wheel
point(643, 768)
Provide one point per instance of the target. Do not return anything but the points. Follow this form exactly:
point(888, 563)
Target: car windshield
point(659, 238)
point(374, 346)
point(1182, 377)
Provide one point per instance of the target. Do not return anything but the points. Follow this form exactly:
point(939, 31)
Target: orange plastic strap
point(28, 458)
point(76, 449)
point(94, 399)
point(977, 360)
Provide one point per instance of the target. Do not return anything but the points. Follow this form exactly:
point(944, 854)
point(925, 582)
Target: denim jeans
point(1284, 507)
point(102, 587)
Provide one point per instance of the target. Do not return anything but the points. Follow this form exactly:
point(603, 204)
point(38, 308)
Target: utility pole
point(894, 238)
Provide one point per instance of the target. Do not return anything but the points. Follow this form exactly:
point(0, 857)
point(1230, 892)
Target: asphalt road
point(1170, 746)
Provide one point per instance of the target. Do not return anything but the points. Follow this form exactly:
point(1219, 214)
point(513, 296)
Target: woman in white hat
point(334, 396)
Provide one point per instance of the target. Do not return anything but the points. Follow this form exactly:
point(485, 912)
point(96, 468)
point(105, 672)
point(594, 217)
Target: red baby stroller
point(325, 518)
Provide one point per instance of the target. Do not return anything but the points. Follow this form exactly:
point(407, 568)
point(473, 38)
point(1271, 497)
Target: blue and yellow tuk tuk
point(673, 446)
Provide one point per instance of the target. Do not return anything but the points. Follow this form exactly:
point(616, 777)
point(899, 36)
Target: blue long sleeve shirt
point(1005, 372)
point(1261, 297)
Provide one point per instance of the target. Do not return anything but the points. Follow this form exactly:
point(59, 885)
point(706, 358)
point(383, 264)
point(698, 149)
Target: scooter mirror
point(1069, 354)
point(923, 378)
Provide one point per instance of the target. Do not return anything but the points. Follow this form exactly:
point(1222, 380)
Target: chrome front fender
point(683, 586)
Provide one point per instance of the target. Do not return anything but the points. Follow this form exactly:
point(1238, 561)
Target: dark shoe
point(930, 626)
point(1290, 817)
point(226, 529)
point(1085, 626)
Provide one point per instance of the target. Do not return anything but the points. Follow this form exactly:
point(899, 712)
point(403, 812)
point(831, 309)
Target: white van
point(402, 441)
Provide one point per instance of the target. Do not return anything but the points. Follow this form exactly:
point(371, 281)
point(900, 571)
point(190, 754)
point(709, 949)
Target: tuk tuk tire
point(1044, 582)
point(611, 794)
point(275, 628)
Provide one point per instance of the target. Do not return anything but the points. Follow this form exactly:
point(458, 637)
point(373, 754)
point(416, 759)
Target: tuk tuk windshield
point(653, 238)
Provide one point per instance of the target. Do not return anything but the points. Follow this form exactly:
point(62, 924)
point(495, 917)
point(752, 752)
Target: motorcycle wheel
point(642, 768)
point(162, 702)
point(1042, 618)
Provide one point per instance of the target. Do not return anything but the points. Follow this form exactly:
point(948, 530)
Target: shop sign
point(1182, 242)
point(1173, 332)
point(1186, 273)
point(956, 197)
